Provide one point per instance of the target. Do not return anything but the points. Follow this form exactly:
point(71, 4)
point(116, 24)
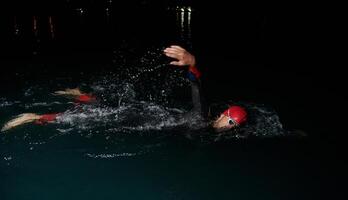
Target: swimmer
point(232, 117)
point(25, 118)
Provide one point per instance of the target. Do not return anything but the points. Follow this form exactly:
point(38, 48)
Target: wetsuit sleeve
point(196, 91)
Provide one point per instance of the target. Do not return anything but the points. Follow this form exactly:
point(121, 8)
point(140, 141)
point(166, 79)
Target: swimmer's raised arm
point(232, 117)
point(184, 58)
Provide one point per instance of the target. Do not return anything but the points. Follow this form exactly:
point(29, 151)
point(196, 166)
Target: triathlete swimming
point(230, 118)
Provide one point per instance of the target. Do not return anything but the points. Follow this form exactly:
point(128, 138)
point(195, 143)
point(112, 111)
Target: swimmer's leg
point(76, 94)
point(28, 118)
point(19, 120)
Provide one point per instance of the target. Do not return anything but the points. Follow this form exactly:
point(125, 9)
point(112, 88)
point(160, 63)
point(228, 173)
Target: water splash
point(110, 155)
point(134, 116)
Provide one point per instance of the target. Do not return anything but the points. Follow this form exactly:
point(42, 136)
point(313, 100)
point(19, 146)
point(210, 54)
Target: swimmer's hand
point(184, 58)
point(19, 120)
point(69, 92)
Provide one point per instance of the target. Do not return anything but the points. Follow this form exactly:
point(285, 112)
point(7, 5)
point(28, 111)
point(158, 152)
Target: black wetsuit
point(199, 106)
point(198, 101)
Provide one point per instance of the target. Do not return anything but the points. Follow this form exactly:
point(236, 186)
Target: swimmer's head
point(233, 117)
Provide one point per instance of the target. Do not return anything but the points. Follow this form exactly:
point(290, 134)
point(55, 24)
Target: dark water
point(102, 151)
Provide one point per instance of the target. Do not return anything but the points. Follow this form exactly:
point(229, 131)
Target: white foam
point(110, 155)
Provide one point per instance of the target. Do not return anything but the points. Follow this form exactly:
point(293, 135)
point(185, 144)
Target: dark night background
point(253, 52)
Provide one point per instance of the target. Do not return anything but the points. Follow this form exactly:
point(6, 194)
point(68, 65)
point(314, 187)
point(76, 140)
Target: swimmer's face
point(223, 123)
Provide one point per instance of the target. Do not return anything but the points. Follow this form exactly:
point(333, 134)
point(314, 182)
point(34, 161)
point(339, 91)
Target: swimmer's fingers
point(177, 47)
point(180, 59)
point(177, 63)
point(183, 57)
point(173, 55)
point(174, 51)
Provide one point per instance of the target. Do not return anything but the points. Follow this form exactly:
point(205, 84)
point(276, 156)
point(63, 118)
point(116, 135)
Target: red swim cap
point(237, 114)
point(85, 98)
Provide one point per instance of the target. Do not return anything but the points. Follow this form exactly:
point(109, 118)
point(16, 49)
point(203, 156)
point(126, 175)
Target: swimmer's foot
point(76, 94)
point(69, 92)
point(19, 120)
